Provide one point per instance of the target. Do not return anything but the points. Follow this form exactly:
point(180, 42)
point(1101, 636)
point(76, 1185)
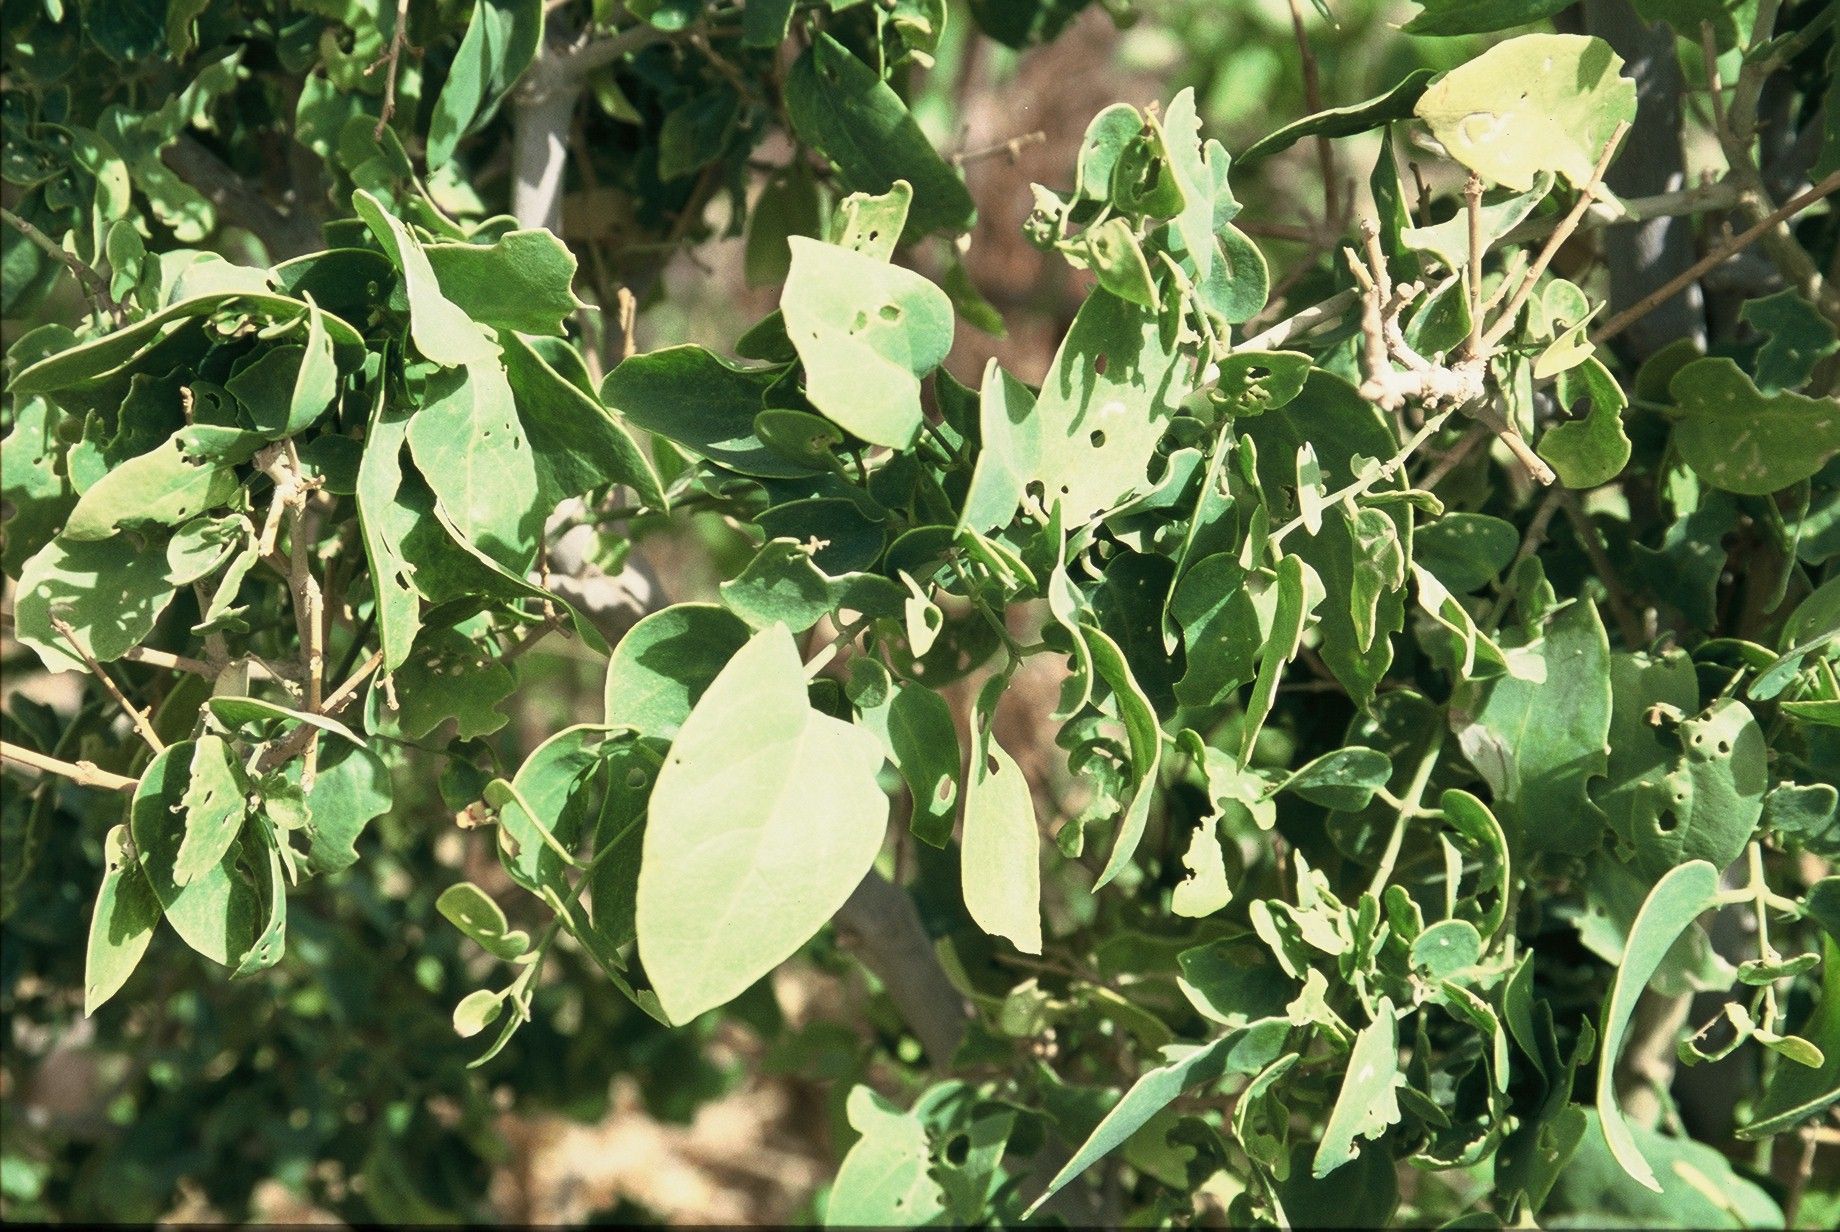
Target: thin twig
point(1718, 256)
point(1555, 241)
point(1709, 52)
point(1472, 205)
point(1620, 603)
point(390, 63)
point(83, 773)
point(1299, 323)
point(134, 714)
point(336, 701)
point(1312, 96)
point(161, 658)
point(1013, 147)
point(94, 287)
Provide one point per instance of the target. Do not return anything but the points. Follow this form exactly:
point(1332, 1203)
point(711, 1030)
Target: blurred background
point(194, 1100)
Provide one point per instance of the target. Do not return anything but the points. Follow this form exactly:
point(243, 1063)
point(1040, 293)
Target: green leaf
point(386, 521)
point(665, 663)
point(1344, 780)
point(1799, 337)
point(108, 591)
point(575, 441)
point(1369, 1099)
point(271, 943)
point(1010, 437)
point(1698, 1187)
point(33, 482)
point(1144, 737)
point(704, 403)
point(236, 711)
point(214, 805)
point(764, 819)
point(549, 804)
point(215, 912)
point(501, 40)
point(1185, 1067)
point(1677, 899)
point(99, 369)
point(695, 133)
point(1466, 551)
point(886, 1178)
point(1539, 735)
point(840, 107)
point(523, 282)
point(122, 923)
point(351, 789)
point(1253, 382)
point(788, 204)
point(917, 732)
point(164, 487)
point(1000, 863)
point(1205, 889)
point(475, 913)
point(1108, 397)
point(1742, 440)
point(1593, 450)
point(1479, 16)
point(469, 444)
point(870, 224)
point(866, 333)
point(1395, 104)
point(451, 676)
point(1541, 102)
point(1796, 1092)
point(783, 584)
point(1111, 248)
point(442, 331)
point(287, 388)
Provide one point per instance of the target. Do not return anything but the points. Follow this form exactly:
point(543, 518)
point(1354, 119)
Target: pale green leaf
point(1369, 1098)
point(1541, 102)
point(441, 330)
point(122, 923)
point(885, 1179)
point(1000, 860)
point(866, 332)
point(1676, 900)
point(765, 817)
point(666, 661)
point(470, 445)
point(214, 806)
point(475, 913)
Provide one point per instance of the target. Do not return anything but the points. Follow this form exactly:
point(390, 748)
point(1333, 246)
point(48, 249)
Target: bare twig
point(1621, 605)
point(94, 287)
point(1472, 206)
point(1013, 147)
point(161, 658)
point(1312, 95)
point(1555, 241)
point(336, 701)
point(390, 62)
point(1299, 323)
point(83, 773)
point(1718, 256)
point(133, 712)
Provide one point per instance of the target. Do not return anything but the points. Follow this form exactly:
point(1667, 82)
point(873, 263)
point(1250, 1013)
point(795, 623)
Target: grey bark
point(879, 924)
point(236, 202)
point(1646, 255)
